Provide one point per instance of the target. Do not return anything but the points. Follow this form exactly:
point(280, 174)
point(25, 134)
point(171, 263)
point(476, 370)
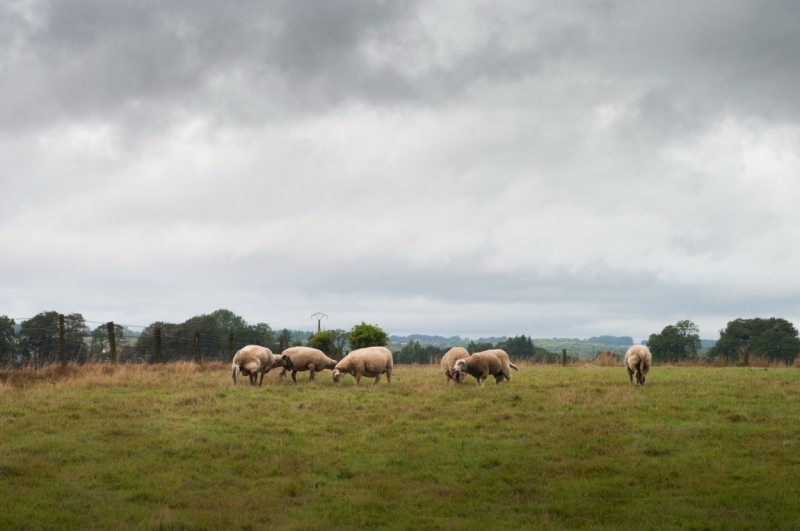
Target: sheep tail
point(514, 367)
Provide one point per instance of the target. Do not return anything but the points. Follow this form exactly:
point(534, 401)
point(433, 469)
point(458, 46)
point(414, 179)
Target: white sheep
point(637, 363)
point(307, 359)
point(483, 364)
point(370, 362)
point(449, 360)
point(253, 360)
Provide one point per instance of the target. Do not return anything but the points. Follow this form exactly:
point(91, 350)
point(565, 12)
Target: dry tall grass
point(608, 359)
point(93, 374)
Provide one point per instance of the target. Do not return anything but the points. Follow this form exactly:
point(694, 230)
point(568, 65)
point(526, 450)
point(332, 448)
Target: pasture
point(179, 447)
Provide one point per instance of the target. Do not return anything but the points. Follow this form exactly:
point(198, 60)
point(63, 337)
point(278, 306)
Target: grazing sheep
point(253, 359)
point(370, 362)
point(482, 364)
point(307, 359)
point(637, 363)
point(507, 365)
point(449, 359)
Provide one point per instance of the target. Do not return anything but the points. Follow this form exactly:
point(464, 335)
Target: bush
point(366, 335)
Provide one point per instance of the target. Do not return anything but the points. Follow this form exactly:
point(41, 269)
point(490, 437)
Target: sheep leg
point(262, 379)
point(282, 374)
point(388, 377)
point(377, 379)
point(294, 376)
point(358, 379)
point(630, 374)
point(252, 378)
point(311, 375)
point(234, 376)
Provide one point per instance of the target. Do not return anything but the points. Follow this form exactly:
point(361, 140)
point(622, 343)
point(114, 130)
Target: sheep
point(506, 362)
point(449, 359)
point(253, 359)
point(370, 362)
point(482, 364)
point(307, 359)
point(637, 363)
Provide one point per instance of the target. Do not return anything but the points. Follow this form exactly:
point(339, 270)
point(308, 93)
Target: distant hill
point(707, 343)
point(611, 340)
point(441, 341)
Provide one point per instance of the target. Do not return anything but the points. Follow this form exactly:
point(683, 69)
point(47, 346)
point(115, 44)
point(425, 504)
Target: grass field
point(179, 447)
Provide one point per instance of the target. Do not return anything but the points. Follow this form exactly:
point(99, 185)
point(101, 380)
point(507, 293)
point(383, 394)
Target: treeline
point(37, 339)
point(518, 348)
point(774, 339)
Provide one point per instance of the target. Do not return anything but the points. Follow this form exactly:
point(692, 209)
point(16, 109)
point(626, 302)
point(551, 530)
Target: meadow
point(179, 447)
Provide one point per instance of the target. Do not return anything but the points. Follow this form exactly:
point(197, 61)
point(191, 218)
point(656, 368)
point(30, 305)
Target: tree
point(243, 333)
point(522, 347)
point(675, 342)
point(473, 347)
point(340, 339)
point(323, 341)
point(6, 338)
point(228, 322)
point(39, 334)
point(366, 335)
point(773, 338)
point(414, 352)
point(100, 339)
point(285, 338)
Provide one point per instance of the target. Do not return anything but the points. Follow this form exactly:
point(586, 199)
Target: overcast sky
point(569, 168)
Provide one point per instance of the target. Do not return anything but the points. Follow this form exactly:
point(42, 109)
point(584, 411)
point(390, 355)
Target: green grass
point(138, 447)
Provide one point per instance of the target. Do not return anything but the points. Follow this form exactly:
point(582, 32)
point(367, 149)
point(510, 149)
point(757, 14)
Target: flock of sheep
point(371, 362)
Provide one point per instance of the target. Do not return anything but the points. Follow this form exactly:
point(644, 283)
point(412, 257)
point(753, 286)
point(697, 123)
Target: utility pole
point(318, 316)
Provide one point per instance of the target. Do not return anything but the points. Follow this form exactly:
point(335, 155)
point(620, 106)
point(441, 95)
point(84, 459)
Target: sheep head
point(337, 376)
point(285, 362)
point(460, 370)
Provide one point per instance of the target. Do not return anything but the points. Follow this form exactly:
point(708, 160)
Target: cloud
point(440, 167)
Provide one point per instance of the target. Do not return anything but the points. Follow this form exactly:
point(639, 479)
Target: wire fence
point(51, 338)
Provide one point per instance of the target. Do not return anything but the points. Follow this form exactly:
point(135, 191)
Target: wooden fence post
point(157, 339)
point(197, 357)
point(231, 345)
point(62, 347)
point(564, 357)
point(112, 341)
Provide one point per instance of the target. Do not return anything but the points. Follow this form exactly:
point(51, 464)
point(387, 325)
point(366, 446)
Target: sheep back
point(370, 362)
point(481, 365)
point(637, 362)
point(252, 360)
point(308, 359)
point(504, 359)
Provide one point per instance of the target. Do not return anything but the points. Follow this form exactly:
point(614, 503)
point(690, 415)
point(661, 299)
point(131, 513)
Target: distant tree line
point(774, 339)
point(518, 348)
point(36, 340)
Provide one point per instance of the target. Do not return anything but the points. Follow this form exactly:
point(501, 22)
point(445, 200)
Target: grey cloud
point(119, 61)
point(357, 155)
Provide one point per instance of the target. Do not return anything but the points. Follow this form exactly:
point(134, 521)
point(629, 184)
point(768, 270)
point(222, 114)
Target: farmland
point(179, 447)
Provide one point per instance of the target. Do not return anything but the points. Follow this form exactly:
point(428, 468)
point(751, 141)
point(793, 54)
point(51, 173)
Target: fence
point(58, 343)
point(63, 340)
